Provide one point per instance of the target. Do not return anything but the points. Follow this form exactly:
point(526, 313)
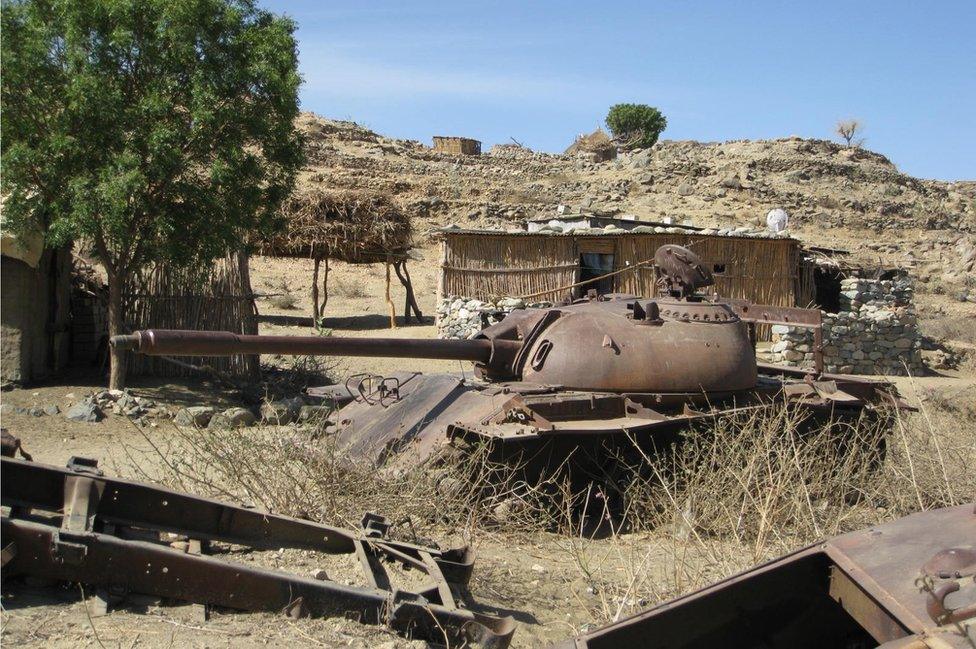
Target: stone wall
point(875, 332)
point(461, 317)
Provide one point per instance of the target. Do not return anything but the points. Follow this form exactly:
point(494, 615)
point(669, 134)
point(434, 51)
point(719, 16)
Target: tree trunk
point(116, 378)
point(411, 299)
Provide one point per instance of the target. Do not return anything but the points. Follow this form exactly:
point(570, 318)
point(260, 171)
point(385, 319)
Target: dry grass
point(285, 301)
point(351, 287)
point(742, 492)
point(734, 493)
point(960, 329)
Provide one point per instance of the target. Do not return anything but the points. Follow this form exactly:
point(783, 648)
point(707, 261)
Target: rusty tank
point(580, 380)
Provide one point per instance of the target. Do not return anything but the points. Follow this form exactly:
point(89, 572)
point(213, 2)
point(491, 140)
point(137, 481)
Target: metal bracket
point(84, 465)
point(64, 550)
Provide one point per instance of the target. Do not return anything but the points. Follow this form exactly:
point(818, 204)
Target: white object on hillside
point(777, 220)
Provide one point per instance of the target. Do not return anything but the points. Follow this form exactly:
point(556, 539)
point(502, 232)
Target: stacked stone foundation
point(462, 317)
point(875, 332)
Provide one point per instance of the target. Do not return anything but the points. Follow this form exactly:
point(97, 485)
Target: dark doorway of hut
point(593, 265)
point(399, 266)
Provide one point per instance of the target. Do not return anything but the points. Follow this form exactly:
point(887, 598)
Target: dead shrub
point(285, 301)
point(747, 489)
point(960, 329)
point(738, 491)
point(351, 287)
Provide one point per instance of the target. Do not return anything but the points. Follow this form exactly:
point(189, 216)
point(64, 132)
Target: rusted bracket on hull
point(784, 315)
point(79, 526)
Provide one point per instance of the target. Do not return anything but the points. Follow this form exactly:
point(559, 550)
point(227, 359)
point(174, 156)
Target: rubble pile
point(875, 332)
point(461, 317)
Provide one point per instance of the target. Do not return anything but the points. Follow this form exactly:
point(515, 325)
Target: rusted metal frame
point(139, 566)
point(602, 635)
point(865, 610)
point(873, 589)
point(74, 552)
point(788, 316)
point(134, 504)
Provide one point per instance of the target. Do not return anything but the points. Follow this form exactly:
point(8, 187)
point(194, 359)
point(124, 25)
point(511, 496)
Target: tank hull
point(538, 428)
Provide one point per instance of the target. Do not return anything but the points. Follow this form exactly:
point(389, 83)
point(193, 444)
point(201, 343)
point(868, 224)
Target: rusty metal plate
point(853, 590)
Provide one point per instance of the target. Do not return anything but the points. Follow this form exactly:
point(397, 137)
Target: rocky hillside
point(836, 196)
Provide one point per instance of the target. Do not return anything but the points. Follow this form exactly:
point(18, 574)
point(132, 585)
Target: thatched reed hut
point(598, 146)
point(355, 227)
point(489, 264)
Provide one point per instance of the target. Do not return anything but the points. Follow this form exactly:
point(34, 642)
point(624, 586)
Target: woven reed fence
point(215, 297)
point(489, 266)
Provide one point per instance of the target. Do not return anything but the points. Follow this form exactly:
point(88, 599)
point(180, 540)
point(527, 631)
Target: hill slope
point(836, 196)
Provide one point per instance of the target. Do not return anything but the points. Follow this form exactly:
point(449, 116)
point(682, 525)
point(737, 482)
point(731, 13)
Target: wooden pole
point(315, 292)
point(389, 302)
point(325, 287)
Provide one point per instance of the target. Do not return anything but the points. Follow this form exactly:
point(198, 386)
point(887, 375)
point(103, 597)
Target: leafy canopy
point(638, 125)
point(150, 129)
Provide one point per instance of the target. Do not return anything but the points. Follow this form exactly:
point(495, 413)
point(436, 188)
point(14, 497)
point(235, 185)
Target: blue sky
point(542, 72)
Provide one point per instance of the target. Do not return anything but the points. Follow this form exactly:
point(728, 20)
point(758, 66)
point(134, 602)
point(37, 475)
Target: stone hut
point(456, 145)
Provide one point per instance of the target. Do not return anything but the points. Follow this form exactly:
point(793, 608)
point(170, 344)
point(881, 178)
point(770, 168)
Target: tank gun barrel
point(175, 342)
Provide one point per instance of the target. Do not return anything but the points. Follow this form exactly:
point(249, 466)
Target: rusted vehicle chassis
point(75, 524)
point(904, 584)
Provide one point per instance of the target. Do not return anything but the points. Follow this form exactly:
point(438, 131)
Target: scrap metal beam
point(77, 525)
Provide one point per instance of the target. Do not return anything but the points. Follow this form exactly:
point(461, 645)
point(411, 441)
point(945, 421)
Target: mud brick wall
point(875, 332)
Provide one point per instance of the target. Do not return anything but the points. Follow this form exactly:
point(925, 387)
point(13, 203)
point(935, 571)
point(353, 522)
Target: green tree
point(147, 130)
point(637, 125)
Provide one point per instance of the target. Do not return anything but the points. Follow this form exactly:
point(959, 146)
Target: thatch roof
point(597, 144)
point(352, 226)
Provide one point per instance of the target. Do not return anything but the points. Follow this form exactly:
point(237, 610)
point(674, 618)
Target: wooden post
point(410, 302)
point(325, 287)
point(315, 293)
point(389, 302)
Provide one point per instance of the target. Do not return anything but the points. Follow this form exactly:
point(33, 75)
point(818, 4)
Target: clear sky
point(542, 72)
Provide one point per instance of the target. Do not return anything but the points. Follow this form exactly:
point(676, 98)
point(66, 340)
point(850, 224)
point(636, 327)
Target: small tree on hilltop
point(849, 129)
point(636, 125)
point(148, 130)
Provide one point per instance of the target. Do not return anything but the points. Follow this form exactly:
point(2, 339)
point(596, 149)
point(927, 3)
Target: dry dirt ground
point(545, 580)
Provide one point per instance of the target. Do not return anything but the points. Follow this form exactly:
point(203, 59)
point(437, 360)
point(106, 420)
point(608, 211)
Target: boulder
point(198, 416)
point(233, 418)
point(85, 411)
point(282, 411)
point(313, 414)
